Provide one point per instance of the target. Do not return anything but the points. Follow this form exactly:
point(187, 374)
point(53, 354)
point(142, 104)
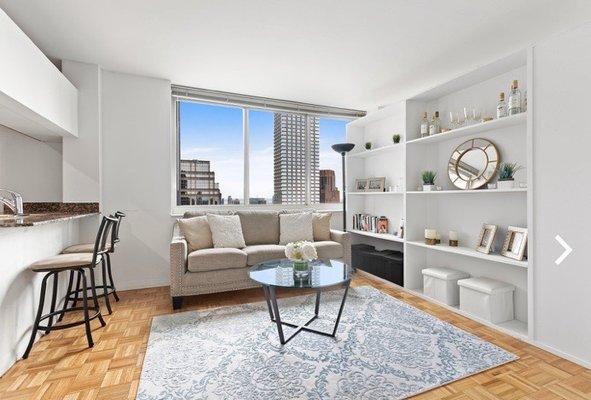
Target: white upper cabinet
point(35, 98)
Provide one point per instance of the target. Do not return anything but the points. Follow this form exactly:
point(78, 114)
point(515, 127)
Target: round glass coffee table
point(279, 273)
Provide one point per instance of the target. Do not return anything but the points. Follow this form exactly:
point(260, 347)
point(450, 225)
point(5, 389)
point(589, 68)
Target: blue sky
point(214, 133)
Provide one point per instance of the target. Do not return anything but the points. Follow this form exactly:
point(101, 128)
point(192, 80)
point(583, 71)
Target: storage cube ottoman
point(442, 284)
point(488, 299)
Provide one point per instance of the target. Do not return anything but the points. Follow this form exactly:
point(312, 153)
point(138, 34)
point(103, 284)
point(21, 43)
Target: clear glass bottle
point(514, 99)
point(435, 124)
point(501, 106)
point(424, 127)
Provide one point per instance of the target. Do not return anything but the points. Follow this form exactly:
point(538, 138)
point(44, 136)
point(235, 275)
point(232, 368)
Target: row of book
point(365, 222)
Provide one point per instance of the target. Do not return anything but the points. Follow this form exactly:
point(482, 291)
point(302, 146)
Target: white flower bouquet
point(301, 251)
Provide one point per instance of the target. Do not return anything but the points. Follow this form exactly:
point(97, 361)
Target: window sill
point(178, 211)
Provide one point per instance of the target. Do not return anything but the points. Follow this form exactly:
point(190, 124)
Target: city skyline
point(214, 133)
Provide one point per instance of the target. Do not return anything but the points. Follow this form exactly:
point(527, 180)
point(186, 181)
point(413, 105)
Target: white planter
point(504, 185)
point(429, 188)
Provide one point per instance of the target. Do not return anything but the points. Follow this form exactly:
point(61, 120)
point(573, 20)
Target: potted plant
point(428, 180)
point(368, 146)
point(301, 253)
point(506, 175)
point(396, 138)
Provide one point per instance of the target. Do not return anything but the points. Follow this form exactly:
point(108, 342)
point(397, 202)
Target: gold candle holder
point(430, 242)
point(453, 243)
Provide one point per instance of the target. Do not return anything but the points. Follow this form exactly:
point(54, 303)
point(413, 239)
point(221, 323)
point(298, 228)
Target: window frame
point(175, 154)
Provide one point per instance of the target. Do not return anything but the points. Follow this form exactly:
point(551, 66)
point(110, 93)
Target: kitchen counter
point(9, 221)
point(45, 231)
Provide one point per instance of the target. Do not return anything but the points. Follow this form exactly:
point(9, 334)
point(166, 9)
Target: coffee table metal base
point(271, 298)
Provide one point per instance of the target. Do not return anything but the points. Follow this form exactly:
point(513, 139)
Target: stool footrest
point(68, 325)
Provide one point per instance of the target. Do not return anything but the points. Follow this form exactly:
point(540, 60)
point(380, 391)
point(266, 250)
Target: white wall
point(562, 196)
point(82, 155)
point(30, 167)
point(136, 175)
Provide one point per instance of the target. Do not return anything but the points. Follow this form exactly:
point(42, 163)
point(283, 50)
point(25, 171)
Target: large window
point(287, 156)
point(211, 165)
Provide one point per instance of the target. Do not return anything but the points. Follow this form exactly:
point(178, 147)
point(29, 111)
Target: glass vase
point(301, 269)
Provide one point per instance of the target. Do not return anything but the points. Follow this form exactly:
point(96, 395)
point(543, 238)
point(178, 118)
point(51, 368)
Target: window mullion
point(246, 145)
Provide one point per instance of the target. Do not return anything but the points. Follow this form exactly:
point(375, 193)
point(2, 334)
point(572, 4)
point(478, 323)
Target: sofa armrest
point(178, 260)
point(344, 238)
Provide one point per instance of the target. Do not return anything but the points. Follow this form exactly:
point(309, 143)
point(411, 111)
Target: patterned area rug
point(385, 349)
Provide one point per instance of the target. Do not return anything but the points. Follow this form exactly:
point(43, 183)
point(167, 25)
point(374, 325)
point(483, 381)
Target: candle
point(430, 234)
point(453, 235)
point(437, 235)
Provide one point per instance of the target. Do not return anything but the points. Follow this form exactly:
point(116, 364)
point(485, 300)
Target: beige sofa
point(213, 270)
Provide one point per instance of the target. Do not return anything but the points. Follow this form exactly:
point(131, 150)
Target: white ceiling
point(357, 54)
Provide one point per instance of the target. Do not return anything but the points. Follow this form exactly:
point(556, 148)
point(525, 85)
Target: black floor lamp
point(344, 148)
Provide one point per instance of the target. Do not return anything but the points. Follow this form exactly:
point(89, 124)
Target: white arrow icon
point(567, 250)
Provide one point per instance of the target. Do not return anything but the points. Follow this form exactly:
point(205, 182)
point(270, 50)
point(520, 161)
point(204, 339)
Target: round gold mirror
point(473, 164)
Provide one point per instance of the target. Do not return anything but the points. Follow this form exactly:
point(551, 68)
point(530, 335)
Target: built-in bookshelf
point(450, 208)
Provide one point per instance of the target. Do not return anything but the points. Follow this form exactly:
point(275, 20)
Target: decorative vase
point(429, 188)
point(506, 184)
point(301, 269)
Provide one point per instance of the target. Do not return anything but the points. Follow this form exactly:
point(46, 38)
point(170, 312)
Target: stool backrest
point(115, 232)
point(100, 244)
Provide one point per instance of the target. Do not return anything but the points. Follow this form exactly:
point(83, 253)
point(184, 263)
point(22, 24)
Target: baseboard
point(141, 285)
point(556, 352)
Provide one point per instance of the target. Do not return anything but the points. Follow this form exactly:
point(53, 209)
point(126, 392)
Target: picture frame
point(486, 238)
point(361, 185)
point(376, 184)
point(515, 243)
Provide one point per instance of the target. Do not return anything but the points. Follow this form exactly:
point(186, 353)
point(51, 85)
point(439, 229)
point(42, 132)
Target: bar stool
point(108, 287)
point(76, 263)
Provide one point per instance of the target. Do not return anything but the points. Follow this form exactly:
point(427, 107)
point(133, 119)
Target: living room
point(221, 199)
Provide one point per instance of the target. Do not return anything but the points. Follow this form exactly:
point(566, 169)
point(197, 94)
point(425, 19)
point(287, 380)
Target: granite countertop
point(43, 213)
point(9, 221)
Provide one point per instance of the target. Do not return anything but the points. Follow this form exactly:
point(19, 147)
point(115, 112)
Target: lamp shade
point(343, 147)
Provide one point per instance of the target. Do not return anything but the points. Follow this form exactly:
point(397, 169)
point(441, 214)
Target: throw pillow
point(226, 231)
point(321, 226)
point(196, 232)
point(295, 227)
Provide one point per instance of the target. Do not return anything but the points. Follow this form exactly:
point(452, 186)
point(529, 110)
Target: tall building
point(290, 142)
point(328, 189)
point(197, 185)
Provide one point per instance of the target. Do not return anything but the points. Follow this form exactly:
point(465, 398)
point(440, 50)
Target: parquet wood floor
point(62, 367)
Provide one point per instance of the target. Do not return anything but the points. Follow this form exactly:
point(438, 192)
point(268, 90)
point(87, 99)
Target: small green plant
point(396, 138)
point(429, 177)
point(508, 170)
point(368, 146)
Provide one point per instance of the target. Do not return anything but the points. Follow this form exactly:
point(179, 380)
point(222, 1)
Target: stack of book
point(365, 222)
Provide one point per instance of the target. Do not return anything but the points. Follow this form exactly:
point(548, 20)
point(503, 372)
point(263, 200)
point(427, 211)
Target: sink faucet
point(15, 204)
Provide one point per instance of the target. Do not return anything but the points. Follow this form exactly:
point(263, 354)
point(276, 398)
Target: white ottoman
point(441, 284)
point(487, 298)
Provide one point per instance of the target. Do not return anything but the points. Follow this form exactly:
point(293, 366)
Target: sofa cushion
point(259, 227)
point(196, 231)
point(216, 259)
point(321, 226)
point(263, 252)
point(295, 227)
point(226, 230)
point(329, 249)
